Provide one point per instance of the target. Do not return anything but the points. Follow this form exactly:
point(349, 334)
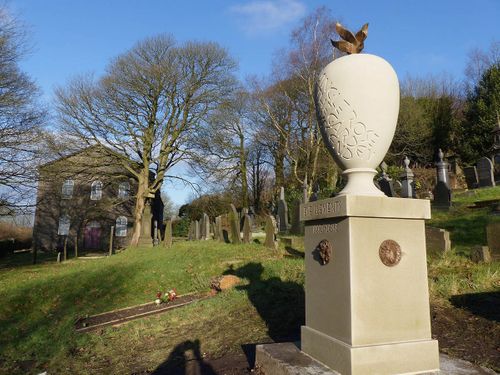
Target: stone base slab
point(411, 357)
point(287, 359)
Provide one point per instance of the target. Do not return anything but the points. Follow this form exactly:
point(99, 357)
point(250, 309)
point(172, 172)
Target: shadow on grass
point(294, 252)
point(279, 303)
point(26, 259)
point(185, 359)
point(486, 305)
point(37, 316)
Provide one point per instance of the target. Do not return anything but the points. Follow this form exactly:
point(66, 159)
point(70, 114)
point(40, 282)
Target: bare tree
point(148, 106)
point(288, 103)
point(20, 117)
point(222, 146)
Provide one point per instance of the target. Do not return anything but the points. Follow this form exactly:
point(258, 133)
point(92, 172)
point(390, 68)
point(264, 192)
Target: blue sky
point(416, 37)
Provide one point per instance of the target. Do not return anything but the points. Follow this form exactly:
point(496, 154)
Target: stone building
point(81, 196)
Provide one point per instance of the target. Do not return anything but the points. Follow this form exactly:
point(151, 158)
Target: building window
point(64, 223)
point(96, 190)
point(67, 189)
point(121, 226)
point(123, 189)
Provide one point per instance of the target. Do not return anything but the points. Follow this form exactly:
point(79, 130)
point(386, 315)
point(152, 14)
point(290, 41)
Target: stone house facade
point(82, 196)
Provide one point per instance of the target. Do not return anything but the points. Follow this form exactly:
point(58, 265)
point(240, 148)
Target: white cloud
point(262, 16)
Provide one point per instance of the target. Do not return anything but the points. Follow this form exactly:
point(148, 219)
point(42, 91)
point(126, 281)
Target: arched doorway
point(92, 235)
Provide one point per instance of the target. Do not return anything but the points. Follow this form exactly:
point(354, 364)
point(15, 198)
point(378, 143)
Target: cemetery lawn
point(41, 303)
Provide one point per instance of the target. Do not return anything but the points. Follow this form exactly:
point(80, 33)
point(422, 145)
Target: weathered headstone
point(496, 161)
point(480, 254)
point(205, 227)
point(437, 241)
point(493, 238)
point(407, 190)
point(156, 240)
point(282, 212)
point(191, 231)
point(471, 177)
point(305, 192)
point(485, 172)
point(167, 238)
point(234, 223)
point(225, 228)
point(297, 226)
point(442, 191)
point(247, 229)
point(385, 182)
point(270, 229)
point(197, 232)
point(315, 193)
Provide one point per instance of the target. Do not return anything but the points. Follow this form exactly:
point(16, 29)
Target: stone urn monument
point(367, 301)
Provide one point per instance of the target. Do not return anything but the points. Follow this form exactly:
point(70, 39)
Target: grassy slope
point(41, 303)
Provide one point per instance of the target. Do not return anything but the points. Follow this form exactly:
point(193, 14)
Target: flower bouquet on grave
point(158, 299)
point(171, 295)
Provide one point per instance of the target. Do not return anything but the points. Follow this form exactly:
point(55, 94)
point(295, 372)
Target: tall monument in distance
point(367, 300)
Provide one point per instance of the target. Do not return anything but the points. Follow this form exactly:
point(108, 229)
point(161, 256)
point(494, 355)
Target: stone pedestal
point(367, 308)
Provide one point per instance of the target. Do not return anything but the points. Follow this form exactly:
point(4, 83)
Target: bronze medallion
point(390, 253)
point(325, 251)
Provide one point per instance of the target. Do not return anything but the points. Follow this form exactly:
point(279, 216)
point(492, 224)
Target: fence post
point(111, 240)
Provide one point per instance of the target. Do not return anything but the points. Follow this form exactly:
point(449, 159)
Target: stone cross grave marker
point(471, 177)
point(485, 172)
point(297, 226)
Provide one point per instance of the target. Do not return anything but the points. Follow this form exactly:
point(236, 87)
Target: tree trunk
point(243, 171)
point(140, 202)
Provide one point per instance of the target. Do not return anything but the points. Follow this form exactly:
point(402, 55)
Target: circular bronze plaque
point(390, 253)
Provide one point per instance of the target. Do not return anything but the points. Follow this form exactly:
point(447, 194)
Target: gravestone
point(437, 241)
point(496, 161)
point(270, 229)
point(234, 223)
point(315, 193)
point(442, 191)
point(225, 228)
point(205, 227)
point(191, 231)
point(167, 238)
point(282, 212)
point(156, 240)
point(385, 182)
point(407, 187)
point(493, 238)
point(297, 226)
point(197, 233)
point(217, 229)
point(305, 194)
point(247, 229)
point(480, 254)
point(471, 177)
point(485, 172)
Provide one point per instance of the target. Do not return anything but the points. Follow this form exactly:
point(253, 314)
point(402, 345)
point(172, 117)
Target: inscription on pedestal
point(324, 228)
point(320, 208)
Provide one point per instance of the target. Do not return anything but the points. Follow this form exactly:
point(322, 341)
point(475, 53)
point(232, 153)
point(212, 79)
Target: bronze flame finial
point(351, 43)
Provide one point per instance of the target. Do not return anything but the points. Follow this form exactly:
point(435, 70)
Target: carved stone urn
point(357, 101)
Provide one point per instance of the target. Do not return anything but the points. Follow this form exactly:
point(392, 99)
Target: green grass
point(467, 225)
point(40, 303)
